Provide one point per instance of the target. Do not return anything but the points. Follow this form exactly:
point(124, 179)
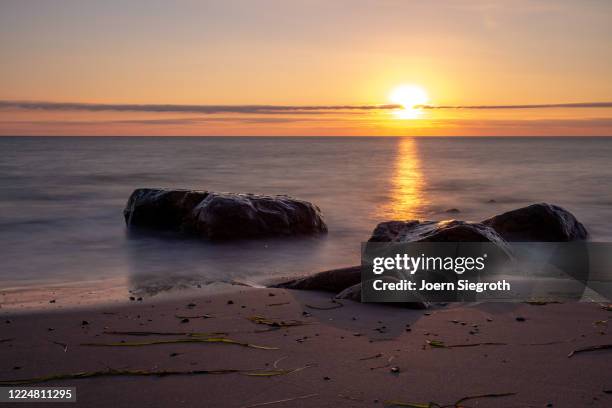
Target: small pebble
point(230, 302)
point(185, 320)
point(84, 323)
point(395, 370)
point(520, 319)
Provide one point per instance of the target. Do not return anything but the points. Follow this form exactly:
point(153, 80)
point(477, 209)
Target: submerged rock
point(222, 216)
point(538, 222)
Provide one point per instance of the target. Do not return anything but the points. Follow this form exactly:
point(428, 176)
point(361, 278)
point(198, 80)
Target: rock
point(334, 280)
point(351, 293)
point(221, 216)
point(434, 231)
point(346, 282)
point(538, 222)
point(542, 222)
point(453, 211)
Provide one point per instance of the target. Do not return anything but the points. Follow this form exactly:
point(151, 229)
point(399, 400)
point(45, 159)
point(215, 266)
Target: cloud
point(524, 106)
point(265, 109)
point(204, 109)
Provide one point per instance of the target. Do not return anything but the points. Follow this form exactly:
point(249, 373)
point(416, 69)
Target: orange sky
point(315, 53)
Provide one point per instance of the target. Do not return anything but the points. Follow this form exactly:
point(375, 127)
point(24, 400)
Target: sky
point(249, 67)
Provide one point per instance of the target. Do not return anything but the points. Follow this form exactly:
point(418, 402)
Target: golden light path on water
point(406, 197)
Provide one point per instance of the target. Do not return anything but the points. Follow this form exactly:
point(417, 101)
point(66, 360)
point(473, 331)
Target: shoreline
point(343, 356)
point(99, 293)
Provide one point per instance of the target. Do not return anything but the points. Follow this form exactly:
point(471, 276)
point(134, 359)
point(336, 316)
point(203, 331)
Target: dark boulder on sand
point(334, 280)
point(222, 216)
point(345, 282)
point(538, 222)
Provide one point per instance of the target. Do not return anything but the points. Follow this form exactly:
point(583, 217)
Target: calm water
point(61, 199)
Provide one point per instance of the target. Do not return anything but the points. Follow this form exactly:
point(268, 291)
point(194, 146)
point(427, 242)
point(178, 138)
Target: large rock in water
point(538, 222)
point(434, 231)
point(222, 216)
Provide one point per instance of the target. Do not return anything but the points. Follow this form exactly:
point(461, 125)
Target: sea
point(62, 199)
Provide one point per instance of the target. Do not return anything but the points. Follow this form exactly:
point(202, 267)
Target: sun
point(411, 98)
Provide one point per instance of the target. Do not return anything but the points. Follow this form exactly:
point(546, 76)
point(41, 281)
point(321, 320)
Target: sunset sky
point(319, 67)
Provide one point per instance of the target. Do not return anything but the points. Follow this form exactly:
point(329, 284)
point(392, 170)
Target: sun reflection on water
point(407, 183)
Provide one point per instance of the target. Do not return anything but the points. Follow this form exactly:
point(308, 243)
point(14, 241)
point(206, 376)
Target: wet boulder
point(435, 231)
point(538, 222)
point(222, 216)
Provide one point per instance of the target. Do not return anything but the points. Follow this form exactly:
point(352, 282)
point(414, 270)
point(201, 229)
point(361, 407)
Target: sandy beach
point(335, 355)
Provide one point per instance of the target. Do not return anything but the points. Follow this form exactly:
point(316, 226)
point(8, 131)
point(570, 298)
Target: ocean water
point(61, 199)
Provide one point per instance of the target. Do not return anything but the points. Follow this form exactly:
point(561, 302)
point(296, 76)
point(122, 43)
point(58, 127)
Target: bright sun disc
point(409, 96)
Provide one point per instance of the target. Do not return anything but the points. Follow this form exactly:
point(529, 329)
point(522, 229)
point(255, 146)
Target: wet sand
point(352, 355)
